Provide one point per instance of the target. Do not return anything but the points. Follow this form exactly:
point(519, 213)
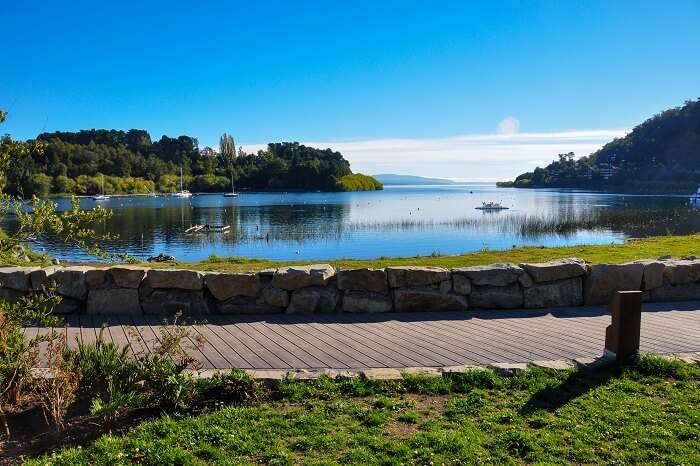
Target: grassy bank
point(648, 412)
point(647, 248)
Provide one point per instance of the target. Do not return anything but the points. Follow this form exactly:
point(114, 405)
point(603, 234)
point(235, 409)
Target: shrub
point(358, 182)
point(56, 390)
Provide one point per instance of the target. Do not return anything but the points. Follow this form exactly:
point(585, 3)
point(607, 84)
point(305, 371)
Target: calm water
point(399, 221)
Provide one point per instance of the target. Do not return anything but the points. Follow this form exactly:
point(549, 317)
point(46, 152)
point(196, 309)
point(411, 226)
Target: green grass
point(648, 412)
point(647, 248)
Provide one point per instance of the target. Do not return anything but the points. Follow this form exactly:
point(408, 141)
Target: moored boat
point(492, 206)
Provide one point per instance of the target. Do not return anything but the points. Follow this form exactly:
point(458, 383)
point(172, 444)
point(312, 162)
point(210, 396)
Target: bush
point(358, 182)
point(63, 185)
point(39, 185)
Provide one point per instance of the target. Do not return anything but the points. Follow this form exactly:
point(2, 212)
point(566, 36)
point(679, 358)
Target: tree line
point(131, 162)
point(660, 154)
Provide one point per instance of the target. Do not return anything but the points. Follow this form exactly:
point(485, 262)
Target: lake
point(399, 221)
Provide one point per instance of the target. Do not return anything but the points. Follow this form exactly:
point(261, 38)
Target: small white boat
point(101, 196)
point(183, 192)
point(695, 199)
point(233, 192)
point(492, 206)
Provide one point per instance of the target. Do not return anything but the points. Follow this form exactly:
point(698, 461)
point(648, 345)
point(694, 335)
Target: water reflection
point(400, 221)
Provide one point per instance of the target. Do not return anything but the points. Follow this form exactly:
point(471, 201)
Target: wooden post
point(622, 335)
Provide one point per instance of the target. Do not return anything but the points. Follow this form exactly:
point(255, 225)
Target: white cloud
point(465, 157)
point(509, 125)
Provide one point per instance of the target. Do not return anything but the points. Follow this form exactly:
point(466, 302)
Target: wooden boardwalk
point(397, 340)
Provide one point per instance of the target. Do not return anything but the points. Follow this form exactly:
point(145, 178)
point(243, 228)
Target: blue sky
point(407, 87)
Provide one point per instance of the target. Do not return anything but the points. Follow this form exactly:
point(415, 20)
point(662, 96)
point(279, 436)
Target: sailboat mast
point(180, 179)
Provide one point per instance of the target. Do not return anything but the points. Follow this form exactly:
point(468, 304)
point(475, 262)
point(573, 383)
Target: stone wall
point(125, 289)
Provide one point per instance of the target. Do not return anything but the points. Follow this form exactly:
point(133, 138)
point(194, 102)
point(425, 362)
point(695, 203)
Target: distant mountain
point(392, 179)
point(661, 154)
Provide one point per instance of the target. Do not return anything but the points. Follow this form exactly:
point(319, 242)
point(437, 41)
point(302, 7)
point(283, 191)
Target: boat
point(183, 192)
point(695, 199)
point(101, 196)
point(492, 206)
point(233, 192)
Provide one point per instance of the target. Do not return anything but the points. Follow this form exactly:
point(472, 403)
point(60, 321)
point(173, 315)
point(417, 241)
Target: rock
point(665, 257)
point(417, 300)
point(431, 371)
point(445, 287)
point(381, 374)
point(246, 305)
point(296, 277)
point(164, 301)
point(681, 272)
point(525, 280)
point(175, 279)
point(113, 301)
point(460, 369)
point(40, 278)
point(373, 280)
point(314, 300)
point(606, 279)
point(558, 294)
point(16, 278)
point(363, 301)
point(227, 285)
point(415, 276)
point(496, 297)
point(684, 292)
point(11, 296)
point(67, 306)
point(689, 258)
point(70, 282)
point(275, 296)
point(508, 368)
point(491, 275)
point(555, 270)
point(653, 275)
point(95, 278)
point(267, 375)
point(126, 276)
point(556, 364)
point(461, 284)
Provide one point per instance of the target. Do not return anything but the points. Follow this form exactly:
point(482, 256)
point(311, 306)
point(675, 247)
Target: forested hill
point(661, 154)
point(130, 162)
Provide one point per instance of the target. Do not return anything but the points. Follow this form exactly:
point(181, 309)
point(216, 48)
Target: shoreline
point(653, 247)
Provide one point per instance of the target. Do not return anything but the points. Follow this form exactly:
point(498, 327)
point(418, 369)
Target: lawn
point(646, 412)
point(647, 248)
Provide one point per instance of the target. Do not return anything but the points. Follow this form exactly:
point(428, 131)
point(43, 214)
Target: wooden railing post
point(622, 335)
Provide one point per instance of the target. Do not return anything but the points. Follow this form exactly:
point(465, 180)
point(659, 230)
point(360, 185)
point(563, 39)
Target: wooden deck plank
point(217, 325)
point(334, 354)
point(270, 359)
point(230, 356)
point(381, 344)
point(363, 346)
point(443, 352)
point(300, 358)
point(325, 359)
point(343, 349)
point(341, 341)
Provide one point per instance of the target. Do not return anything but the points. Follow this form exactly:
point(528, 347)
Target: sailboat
point(101, 196)
point(183, 192)
point(233, 192)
